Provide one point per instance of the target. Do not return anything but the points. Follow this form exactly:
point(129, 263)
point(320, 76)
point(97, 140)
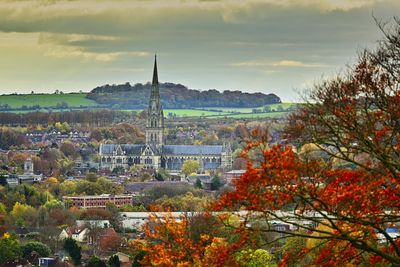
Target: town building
point(87, 202)
point(28, 177)
point(155, 154)
point(230, 176)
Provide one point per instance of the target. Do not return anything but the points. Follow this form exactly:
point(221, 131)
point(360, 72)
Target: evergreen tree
point(95, 261)
point(42, 249)
point(73, 250)
point(113, 261)
point(198, 183)
point(9, 248)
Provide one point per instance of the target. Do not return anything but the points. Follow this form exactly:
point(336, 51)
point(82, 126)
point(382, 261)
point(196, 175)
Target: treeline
point(122, 133)
point(176, 96)
point(95, 117)
point(59, 105)
point(11, 138)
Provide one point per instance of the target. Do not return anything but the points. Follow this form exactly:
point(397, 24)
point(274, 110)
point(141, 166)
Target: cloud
point(297, 64)
point(67, 52)
point(63, 38)
point(101, 41)
point(278, 64)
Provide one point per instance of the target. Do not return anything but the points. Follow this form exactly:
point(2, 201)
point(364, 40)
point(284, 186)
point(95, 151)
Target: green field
point(255, 115)
point(275, 107)
point(192, 113)
point(46, 100)
point(186, 112)
point(76, 101)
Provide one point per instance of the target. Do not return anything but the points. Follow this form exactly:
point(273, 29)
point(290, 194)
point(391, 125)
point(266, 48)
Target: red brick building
point(87, 202)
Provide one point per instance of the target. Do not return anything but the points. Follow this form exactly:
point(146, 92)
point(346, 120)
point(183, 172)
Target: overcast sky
point(264, 46)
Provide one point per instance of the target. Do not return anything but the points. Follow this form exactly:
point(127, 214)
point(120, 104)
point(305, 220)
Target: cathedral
point(155, 154)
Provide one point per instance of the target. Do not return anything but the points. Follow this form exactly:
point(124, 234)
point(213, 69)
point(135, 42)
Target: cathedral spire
point(155, 74)
point(155, 114)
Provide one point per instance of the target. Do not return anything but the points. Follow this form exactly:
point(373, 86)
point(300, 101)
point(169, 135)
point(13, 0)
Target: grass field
point(192, 113)
point(46, 100)
point(187, 112)
point(254, 115)
point(75, 101)
point(275, 107)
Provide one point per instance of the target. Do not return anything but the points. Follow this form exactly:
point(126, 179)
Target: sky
point(268, 46)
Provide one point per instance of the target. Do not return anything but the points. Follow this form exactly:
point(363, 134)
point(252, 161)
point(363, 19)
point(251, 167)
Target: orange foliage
point(168, 243)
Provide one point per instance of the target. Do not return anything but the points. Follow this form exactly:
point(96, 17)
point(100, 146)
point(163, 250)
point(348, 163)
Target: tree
point(42, 249)
point(190, 166)
point(3, 209)
point(135, 169)
point(342, 213)
point(68, 149)
point(24, 214)
point(198, 183)
point(95, 261)
point(118, 170)
point(267, 108)
point(255, 258)
point(168, 243)
point(187, 202)
point(110, 242)
point(9, 248)
point(216, 183)
point(113, 261)
point(163, 175)
point(3, 180)
point(345, 212)
point(73, 250)
point(91, 177)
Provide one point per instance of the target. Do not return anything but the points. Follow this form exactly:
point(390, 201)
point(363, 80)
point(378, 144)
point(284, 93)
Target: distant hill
point(126, 96)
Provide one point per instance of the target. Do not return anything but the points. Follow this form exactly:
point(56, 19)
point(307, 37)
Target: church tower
point(155, 114)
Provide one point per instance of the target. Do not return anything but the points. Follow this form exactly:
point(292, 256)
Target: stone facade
point(155, 154)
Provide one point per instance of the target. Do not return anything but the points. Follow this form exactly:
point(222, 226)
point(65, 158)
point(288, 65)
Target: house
point(135, 220)
point(232, 175)
point(77, 233)
point(84, 167)
point(12, 181)
point(47, 261)
point(93, 223)
point(205, 180)
point(124, 259)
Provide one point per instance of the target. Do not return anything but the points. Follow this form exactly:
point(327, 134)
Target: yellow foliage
point(6, 235)
point(321, 230)
point(52, 180)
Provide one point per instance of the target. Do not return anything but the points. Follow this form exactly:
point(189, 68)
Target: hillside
point(39, 101)
point(126, 96)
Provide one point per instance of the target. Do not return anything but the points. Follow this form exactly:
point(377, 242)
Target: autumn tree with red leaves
point(346, 211)
point(339, 212)
point(168, 243)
